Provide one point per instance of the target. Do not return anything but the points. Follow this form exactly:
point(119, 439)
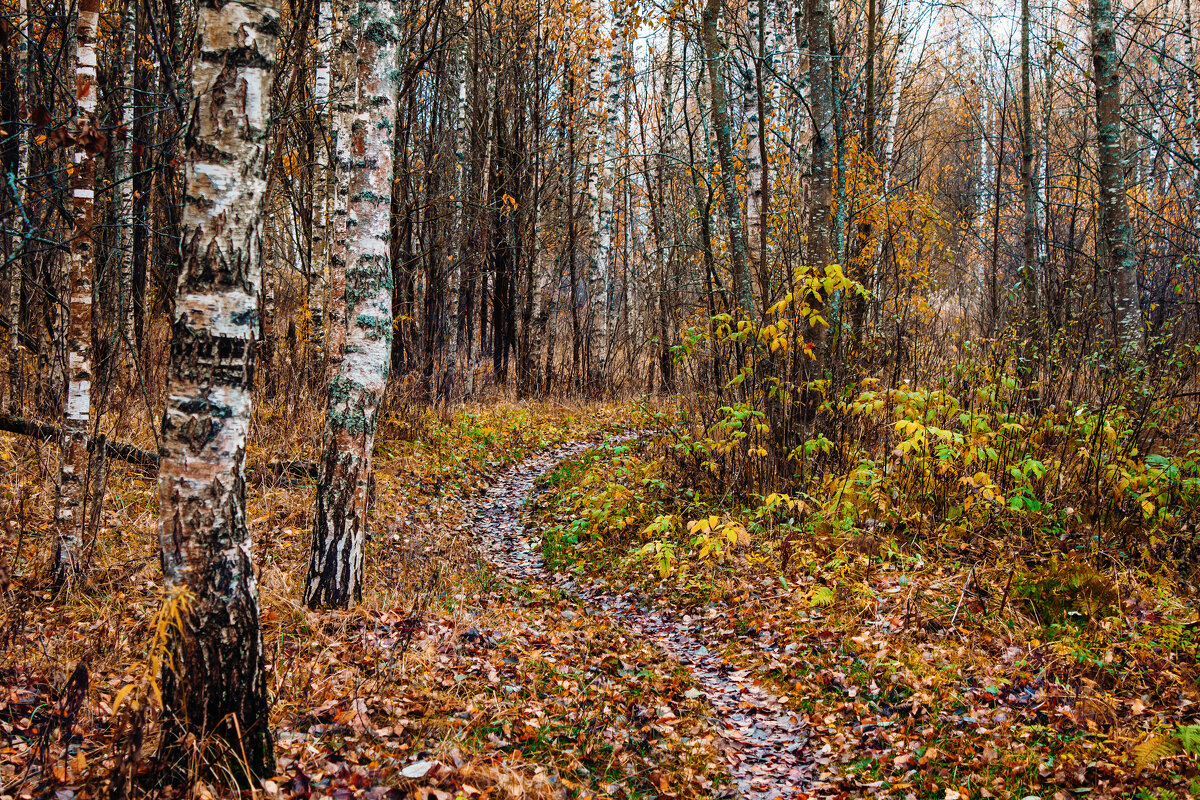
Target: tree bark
point(339, 529)
point(715, 55)
point(820, 252)
point(72, 480)
point(142, 182)
point(458, 229)
point(17, 186)
point(1115, 227)
point(1028, 314)
point(325, 132)
point(214, 688)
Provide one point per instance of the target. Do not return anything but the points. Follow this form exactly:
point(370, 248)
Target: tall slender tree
point(1029, 200)
point(87, 140)
point(715, 54)
point(356, 391)
point(1119, 257)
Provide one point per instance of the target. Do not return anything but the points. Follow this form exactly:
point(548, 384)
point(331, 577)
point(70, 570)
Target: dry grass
point(417, 671)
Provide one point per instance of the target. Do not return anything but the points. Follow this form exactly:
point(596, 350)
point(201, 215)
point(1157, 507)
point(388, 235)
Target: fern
point(1155, 749)
point(1185, 739)
point(821, 597)
point(1189, 738)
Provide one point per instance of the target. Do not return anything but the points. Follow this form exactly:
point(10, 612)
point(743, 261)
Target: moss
point(376, 327)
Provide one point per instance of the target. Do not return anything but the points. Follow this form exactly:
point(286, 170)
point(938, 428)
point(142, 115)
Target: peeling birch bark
point(217, 691)
point(339, 528)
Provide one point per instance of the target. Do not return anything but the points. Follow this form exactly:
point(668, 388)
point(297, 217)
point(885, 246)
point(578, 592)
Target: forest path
point(765, 742)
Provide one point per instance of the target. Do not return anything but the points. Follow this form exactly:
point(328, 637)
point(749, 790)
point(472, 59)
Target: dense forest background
point(575, 188)
point(883, 286)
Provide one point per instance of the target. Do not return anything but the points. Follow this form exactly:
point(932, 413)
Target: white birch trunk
point(325, 182)
point(123, 175)
point(346, 73)
point(1193, 104)
point(214, 691)
point(70, 500)
point(17, 188)
point(355, 393)
point(601, 195)
point(889, 149)
point(750, 112)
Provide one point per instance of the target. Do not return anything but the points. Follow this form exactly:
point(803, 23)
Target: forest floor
point(489, 660)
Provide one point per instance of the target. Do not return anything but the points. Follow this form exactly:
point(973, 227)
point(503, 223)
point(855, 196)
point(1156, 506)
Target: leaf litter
point(764, 741)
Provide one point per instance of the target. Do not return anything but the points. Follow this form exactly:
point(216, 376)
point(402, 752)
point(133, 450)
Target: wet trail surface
point(764, 741)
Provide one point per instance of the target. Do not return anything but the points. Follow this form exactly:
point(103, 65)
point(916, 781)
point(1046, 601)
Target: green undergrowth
point(966, 600)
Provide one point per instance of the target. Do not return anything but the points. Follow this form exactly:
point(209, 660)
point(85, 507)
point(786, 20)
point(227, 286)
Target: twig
point(961, 596)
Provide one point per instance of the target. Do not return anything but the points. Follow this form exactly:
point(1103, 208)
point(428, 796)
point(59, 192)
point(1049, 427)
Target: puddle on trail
point(764, 741)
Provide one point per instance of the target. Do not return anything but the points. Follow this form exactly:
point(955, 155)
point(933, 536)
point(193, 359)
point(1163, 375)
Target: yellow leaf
point(122, 695)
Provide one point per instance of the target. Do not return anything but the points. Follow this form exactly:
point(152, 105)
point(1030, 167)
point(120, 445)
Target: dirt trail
point(764, 741)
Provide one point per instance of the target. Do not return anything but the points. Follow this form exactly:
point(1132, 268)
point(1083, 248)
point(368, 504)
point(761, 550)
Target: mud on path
point(764, 742)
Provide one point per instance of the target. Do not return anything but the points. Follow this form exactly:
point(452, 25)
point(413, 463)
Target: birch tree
point(16, 187)
point(324, 179)
point(753, 101)
point(72, 479)
point(214, 689)
point(356, 390)
point(1115, 227)
point(600, 194)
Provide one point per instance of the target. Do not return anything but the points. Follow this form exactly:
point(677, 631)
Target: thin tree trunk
point(753, 109)
point(1193, 102)
point(458, 229)
point(1115, 226)
point(355, 394)
point(142, 183)
point(214, 689)
point(17, 185)
point(821, 102)
point(123, 177)
point(889, 150)
point(602, 194)
point(1029, 200)
point(715, 55)
point(72, 485)
point(325, 180)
